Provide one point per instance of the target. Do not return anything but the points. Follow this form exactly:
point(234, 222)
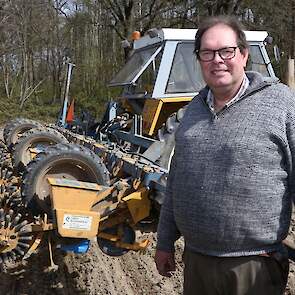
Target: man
point(231, 178)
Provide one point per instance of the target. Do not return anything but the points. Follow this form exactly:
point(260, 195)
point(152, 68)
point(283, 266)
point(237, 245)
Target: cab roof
point(154, 36)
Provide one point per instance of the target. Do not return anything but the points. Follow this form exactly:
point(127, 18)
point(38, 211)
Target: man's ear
point(245, 54)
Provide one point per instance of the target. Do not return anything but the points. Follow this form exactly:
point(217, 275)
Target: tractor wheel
point(69, 161)
point(14, 128)
point(38, 138)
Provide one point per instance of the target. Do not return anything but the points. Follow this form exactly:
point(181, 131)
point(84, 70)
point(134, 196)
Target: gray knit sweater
point(232, 178)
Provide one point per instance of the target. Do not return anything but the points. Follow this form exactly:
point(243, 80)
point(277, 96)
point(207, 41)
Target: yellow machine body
point(156, 112)
point(72, 201)
point(139, 204)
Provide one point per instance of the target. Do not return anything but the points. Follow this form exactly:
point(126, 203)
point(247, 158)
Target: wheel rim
point(26, 156)
point(19, 132)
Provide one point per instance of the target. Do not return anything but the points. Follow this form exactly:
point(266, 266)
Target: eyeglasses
point(225, 53)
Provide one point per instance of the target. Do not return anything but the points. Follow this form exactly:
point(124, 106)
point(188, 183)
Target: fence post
point(291, 73)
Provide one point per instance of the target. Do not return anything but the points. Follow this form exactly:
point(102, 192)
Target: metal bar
point(66, 98)
point(133, 138)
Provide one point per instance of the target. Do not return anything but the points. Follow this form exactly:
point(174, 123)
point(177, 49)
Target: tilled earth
point(95, 273)
point(92, 273)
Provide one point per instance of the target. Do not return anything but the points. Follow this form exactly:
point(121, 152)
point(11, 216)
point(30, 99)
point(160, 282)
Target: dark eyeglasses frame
point(218, 51)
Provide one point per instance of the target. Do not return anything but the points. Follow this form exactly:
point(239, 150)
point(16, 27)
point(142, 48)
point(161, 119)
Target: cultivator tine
point(14, 199)
point(25, 238)
point(8, 220)
point(53, 267)
point(4, 257)
point(4, 172)
point(19, 251)
point(2, 218)
point(9, 174)
point(23, 245)
point(20, 226)
point(25, 230)
point(15, 220)
point(13, 255)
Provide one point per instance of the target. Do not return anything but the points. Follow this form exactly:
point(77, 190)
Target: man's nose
point(217, 58)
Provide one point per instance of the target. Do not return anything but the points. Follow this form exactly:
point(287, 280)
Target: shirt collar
point(210, 96)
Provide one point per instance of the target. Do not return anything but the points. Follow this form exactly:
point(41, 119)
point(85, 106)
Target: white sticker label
point(78, 222)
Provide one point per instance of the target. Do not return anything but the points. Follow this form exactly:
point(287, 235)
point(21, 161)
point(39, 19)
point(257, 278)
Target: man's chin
point(220, 84)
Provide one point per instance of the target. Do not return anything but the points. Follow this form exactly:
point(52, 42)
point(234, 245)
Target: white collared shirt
point(210, 96)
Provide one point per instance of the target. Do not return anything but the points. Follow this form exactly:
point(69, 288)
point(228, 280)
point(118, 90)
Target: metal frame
point(266, 60)
point(164, 69)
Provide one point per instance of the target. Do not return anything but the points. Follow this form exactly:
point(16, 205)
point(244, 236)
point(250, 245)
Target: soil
point(95, 273)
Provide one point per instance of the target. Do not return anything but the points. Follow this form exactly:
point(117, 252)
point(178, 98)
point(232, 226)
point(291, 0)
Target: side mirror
point(268, 40)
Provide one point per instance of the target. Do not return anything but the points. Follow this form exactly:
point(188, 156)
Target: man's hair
point(229, 21)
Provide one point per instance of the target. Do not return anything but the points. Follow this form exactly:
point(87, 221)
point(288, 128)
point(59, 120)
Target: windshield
point(256, 61)
point(185, 75)
point(134, 65)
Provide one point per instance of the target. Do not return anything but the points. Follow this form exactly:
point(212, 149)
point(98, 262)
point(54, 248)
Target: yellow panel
point(150, 114)
point(72, 202)
point(74, 184)
point(176, 99)
point(156, 112)
point(139, 204)
point(72, 198)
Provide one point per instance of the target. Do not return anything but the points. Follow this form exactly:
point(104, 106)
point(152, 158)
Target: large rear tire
point(39, 138)
point(69, 161)
point(14, 128)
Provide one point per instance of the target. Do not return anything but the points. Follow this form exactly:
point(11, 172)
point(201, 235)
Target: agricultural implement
point(68, 188)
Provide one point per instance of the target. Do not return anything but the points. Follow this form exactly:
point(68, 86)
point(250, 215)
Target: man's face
point(222, 75)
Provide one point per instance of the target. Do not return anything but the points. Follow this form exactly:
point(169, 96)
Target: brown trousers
point(250, 275)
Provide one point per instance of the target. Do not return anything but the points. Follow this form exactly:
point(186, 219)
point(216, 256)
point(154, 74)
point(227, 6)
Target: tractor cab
point(162, 75)
point(163, 64)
